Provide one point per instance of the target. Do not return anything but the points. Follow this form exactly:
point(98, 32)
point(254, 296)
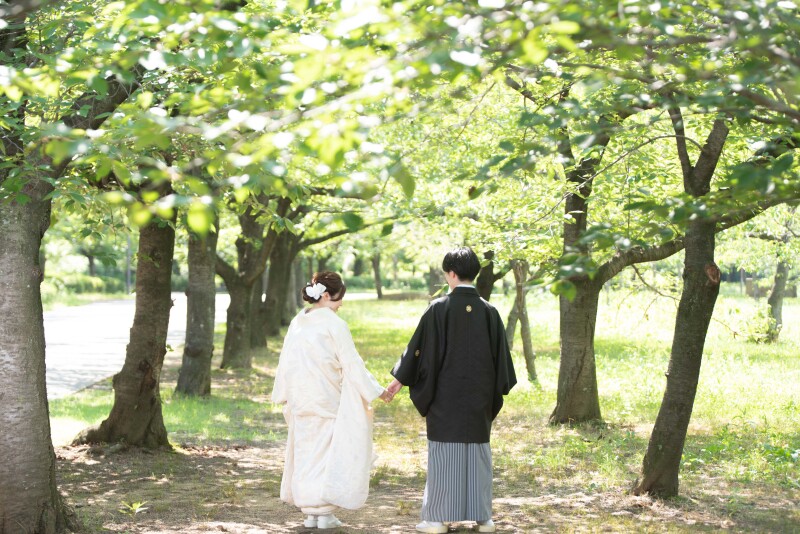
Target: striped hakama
point(459, 484)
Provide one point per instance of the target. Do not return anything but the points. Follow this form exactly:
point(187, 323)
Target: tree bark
point(258, 311)
point(358, 266)
point(280, 266)
point(136, 416)
point(253, 248)
point(701, 277)
point(236, 349)
point(435, 279)
point(577, 397)
point(285, 249)
point(29, 498)
point(194, 377)
point(487, 276)
point(92, 266)
point(520, 268)
point(376, 273)
point(775, 301)
point(300, 278)
point(511, 325)
point(292, 291)
point(701, 287)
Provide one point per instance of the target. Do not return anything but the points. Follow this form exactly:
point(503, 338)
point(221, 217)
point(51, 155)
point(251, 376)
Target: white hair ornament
point(316, 291)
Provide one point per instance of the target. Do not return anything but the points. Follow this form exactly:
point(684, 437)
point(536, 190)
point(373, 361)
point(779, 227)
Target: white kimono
point(326, 391)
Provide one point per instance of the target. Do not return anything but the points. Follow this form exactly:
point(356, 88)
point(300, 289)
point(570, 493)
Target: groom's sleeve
point(417, 367)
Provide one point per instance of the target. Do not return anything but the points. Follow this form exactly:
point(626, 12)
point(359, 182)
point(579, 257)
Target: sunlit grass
point(53, 299)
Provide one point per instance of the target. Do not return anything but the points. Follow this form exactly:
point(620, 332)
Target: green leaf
point(564, 288)
point(401, 175)
point(534, 49)
point(564, 27)
point(99, 85)
point(352, 221)
point(387, 229)
point(121, 171)
point(200, 218)
point(507, 145)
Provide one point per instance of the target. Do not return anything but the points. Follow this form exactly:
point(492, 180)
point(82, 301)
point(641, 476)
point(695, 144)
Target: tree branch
point(770, 103)
point(765, 236)
point(680, 141)
point(344, 231)
point(709, 157)
point(225, 270)
point(20, 8)
point(634, 255)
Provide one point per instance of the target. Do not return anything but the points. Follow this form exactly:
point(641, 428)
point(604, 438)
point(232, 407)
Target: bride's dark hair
point(333, 284)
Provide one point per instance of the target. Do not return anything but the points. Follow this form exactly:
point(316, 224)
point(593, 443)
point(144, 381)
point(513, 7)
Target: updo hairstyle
point(333, 284)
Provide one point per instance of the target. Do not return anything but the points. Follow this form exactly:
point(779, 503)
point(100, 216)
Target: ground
point(235, 489)
point(223, 473)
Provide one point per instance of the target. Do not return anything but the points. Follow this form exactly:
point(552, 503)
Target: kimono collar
point(463, 288)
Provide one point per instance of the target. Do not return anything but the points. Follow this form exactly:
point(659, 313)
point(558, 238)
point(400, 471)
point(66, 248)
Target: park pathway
point(87, 343)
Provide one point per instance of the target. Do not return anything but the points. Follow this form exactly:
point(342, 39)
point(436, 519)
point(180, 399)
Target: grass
point(740, 469)
point(53, 299)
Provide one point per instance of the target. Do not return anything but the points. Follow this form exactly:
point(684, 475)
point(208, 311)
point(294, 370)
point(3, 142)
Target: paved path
point(87, 343)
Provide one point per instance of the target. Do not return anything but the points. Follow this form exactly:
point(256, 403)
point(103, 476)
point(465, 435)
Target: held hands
point(391, 390)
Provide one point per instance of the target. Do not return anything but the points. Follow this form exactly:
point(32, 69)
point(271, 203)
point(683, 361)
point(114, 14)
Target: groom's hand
point(394, 387)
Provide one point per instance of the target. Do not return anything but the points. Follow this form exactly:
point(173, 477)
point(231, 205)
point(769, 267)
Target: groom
point(457, 367)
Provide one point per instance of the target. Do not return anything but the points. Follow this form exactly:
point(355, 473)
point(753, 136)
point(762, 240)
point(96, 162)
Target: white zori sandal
point(328, 521)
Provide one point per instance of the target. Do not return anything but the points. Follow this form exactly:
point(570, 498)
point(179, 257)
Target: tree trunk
point(29, 498)
point(258, 311)
point(577, 398)
point(484, 283)
point(253, 248)
point(700, 289)
point(322, 264)
point(511, 325)
point(194, 377)
point(300, 281)
point(376, 273)
point(358, 266)
point(701, 278)
point(775, 301)
point(436, 280)
point(290, 305)
point(92, 266)
point(136, 416)
point(236, 352)
point(280, 266)
point(520, 269)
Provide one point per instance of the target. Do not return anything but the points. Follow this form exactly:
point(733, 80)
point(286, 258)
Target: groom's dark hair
point(462, 261)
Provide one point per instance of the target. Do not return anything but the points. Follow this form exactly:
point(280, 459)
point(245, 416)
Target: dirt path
point(234, 489)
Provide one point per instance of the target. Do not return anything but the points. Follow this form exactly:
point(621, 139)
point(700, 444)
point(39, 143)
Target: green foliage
point(83, 283)
point(759, 327)
point(133, 508)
